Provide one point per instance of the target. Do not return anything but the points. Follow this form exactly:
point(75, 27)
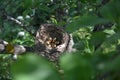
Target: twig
point(19, 23)
point(16, 21)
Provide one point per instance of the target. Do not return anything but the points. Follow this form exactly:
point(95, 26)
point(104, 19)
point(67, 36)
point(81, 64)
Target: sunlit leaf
point(110, 43)
point(84, 21)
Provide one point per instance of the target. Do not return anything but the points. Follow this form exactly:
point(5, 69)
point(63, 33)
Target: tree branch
point(19, 23)
point(4, 16)
point(16, 21)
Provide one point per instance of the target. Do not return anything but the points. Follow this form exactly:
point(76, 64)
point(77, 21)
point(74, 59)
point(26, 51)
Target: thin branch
point(16, 21)
point(19, 23)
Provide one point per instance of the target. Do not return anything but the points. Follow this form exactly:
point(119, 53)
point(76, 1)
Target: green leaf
point(113, 65)
point(79, 46)
point(110, 43)
point(44, 8)
point(84, 21)
point(97, 38)
point(111, 11)
point(112, 39)
point(32, 67)
point(27, 3)
point(76, 67)
point(87, 1)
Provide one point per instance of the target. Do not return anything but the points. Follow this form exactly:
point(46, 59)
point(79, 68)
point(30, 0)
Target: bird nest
point(51, 41)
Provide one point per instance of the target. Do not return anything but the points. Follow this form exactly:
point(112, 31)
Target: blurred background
point(94, 24)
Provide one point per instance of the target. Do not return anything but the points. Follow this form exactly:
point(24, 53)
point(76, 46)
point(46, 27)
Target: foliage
point(34, 67)
point(5, 63)
point(98, 44)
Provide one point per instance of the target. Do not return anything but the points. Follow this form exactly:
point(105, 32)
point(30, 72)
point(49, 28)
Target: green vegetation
point(95, 25)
